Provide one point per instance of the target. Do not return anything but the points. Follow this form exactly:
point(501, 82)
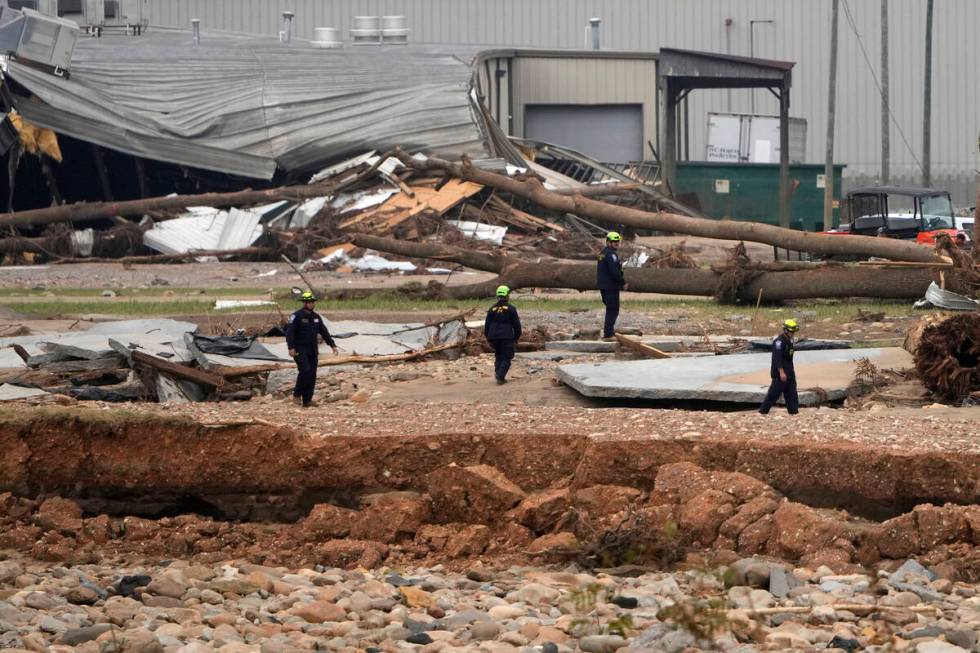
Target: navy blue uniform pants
point(785, 388)
point(503, 355)
point(306, 361)
point(611, 299)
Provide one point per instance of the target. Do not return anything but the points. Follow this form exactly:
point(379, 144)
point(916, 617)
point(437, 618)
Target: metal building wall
point(800, 33)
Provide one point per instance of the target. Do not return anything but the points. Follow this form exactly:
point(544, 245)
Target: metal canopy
point(681, 71)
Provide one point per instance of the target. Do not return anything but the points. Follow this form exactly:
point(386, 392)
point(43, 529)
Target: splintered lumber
point(611, 214)
point(179, 371)
point(946, 352)
point(645, 350)
point(831, 281)
point(402, 206)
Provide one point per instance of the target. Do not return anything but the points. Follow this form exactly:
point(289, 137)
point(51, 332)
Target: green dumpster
point(750, 191)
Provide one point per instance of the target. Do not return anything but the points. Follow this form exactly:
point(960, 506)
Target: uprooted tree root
point(635, 539)
point(946, 351)
point(737, 272)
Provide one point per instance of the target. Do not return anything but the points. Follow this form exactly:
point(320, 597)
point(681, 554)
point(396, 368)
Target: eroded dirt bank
point(83, 482)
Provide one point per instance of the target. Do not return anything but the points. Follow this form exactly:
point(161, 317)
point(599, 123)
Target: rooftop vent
point(394, 30)
point(366, 30)
point(326, 37)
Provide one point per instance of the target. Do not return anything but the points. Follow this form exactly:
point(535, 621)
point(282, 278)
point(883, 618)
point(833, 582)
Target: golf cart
point(899, 212)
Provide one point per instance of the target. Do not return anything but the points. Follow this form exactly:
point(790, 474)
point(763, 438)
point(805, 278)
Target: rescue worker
point(502, 329)
point(303, 330)
point(610, 280)
point(782, 372)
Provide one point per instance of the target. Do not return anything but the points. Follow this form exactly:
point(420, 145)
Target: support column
point(668, 132)
point(785, 213)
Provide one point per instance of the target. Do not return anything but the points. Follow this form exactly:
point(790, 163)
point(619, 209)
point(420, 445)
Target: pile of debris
point(169, 361)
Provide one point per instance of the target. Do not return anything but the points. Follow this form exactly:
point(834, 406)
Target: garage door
point(610, 133)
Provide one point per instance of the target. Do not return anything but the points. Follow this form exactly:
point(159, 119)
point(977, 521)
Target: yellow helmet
point(791, 325)
point(307, 297)
point(613, 237)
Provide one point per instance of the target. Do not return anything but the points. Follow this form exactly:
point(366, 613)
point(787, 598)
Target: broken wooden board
point(634, 345)
point(399, 208)
point(178, 371)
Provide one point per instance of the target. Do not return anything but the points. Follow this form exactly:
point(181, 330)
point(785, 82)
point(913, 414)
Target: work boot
point(609, 338)
point(501, 380)
point(297, 401)
point(312, 404)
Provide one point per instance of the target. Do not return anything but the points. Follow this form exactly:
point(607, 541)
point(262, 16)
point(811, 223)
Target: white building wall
point(800, 33)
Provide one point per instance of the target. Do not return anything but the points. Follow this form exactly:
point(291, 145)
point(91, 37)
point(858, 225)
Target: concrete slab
point(554, 355)
point(161, 329)
point(583, 346)
point(9, 360)
point(738, 378)
point(13, 392)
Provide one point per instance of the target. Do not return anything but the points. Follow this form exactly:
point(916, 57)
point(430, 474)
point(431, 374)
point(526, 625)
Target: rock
point(897, 537)
point(328, 521)
point(747, 598)
point(238, 586)
point(781, 582)
point(108, 293)
point(167, 585)
point(49, 624)
point(139, 640)
point(845, 644)
point(61, 515)
point(625, 602)
point(318, 612)
point(471, 540)
point(938, 646)
point(347, 554)
point(9, 571)
point(601, 643)
point(81, 595)
point(555, 543)
point(749, 571)
point(77, 636)
point(39, 601)
point(474, 494)
point(542, 510)
point(704, 514)
point(419, 638)
point(483, 630)
point(799, 530)
point(746, 515)
point(415, 597)
point(535, 594)
point(602, 500)
point(128, 585)
point(505, 612)
point(392, 516)
point(211, 597)
point(911, 571)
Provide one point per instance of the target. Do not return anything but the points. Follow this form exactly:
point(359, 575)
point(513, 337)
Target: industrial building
point(788, 30)
point(540, 78)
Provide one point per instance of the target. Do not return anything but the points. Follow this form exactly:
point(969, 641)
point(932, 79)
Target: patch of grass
point(123, 291)
point(128, 308)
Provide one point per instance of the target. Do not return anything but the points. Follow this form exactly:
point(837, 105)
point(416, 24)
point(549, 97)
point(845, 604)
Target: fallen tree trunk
point(178, 371)
point(85, 211)
point(833, 280)
point(611, 214)
point(946, 351)
point(173, 258)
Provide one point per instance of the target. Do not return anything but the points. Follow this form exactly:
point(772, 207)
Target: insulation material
point(36, 140)
point(250, 106)
point(367, 263)
point(480, 231)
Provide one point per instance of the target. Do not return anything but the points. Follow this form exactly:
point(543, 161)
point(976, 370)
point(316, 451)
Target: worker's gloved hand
point(336, 352)
point(292, 353)
point(782, 375)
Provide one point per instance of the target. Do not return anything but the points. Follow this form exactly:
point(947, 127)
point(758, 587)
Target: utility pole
point(885, 120)
point(828, 171)
point(927, 103)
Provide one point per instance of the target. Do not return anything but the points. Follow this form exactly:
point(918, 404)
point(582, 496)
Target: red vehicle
point(899, 212)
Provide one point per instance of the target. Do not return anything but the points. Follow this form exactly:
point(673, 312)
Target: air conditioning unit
point(128, 14)
point(43, 41)
point(46, 7)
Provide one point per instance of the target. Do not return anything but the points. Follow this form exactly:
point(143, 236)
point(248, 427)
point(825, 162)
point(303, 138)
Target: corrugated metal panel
point(247, 106)
point(800, 33)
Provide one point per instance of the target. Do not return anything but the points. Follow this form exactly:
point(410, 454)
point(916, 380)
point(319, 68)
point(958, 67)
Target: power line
point(867, 61)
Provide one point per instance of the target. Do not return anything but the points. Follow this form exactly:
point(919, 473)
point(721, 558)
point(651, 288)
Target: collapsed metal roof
point(249, 106)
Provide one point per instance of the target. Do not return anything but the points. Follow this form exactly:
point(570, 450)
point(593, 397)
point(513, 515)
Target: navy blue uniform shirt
point(302, 329)
point(609, 270)
point(502, 322)
point(782, 356)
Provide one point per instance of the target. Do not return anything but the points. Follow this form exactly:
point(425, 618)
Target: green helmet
point(613, 237)
point(791, 325)
point(307, 296)
point(503, 291)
